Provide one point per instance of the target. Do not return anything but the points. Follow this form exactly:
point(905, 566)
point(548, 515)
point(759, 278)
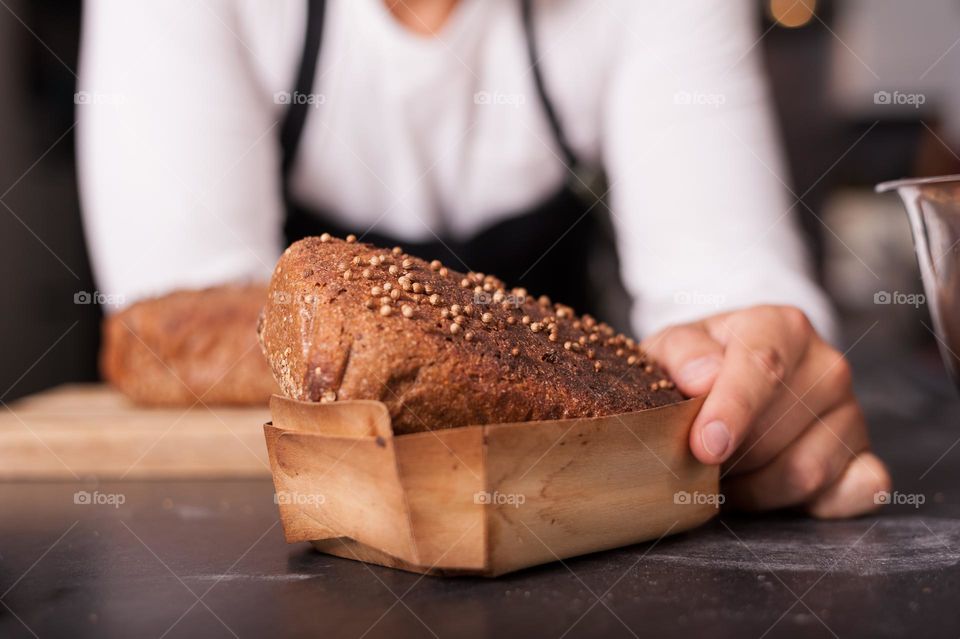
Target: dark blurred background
point(826, 60)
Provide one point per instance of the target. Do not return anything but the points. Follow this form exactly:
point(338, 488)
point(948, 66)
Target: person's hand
point(780, 413)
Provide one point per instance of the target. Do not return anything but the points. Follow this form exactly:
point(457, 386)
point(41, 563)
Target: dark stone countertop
point(207, 559)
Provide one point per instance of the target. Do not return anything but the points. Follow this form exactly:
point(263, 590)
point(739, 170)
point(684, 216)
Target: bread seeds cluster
point(442, 348)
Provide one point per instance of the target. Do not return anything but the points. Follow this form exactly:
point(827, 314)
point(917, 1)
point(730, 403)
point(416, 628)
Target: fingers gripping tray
point(482, 500)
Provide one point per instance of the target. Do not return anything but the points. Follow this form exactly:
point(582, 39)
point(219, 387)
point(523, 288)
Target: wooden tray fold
point(483, 500)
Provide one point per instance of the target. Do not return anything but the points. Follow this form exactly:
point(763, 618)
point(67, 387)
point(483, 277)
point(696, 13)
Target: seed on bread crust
point(346, 326)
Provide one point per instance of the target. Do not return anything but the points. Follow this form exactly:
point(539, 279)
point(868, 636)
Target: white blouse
point(180, 104)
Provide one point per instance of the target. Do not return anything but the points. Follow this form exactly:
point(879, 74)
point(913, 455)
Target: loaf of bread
point(188, 347)
point(346, 320)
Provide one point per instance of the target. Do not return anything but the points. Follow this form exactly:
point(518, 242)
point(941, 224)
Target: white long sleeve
point(177, 156)
point(180, 182)
point(699, 192)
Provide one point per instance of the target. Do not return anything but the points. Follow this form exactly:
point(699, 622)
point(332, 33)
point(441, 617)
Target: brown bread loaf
point(174, 349)
point(346, 320)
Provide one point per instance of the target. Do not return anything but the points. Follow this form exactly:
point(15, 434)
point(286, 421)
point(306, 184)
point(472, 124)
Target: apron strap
point(526, 12)
point(296, 116)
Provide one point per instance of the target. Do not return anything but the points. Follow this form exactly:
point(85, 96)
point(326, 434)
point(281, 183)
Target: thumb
point(855, 493)
point(689, 354)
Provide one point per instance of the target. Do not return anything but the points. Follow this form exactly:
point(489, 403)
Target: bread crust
point(442, 349)
point(189, 346)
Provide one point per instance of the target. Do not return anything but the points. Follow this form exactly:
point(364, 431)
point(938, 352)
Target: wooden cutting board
point(79, 431)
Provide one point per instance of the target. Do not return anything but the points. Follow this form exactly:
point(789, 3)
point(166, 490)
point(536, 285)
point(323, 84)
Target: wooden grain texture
point(484, 500)
point(90, 430)
point(346, 483)
point(442, 473)
point(560, 489)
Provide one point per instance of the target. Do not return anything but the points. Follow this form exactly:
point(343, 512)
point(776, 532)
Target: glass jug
point(933, 206)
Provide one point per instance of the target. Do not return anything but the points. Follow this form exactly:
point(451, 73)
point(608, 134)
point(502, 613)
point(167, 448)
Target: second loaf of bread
point(346, 320)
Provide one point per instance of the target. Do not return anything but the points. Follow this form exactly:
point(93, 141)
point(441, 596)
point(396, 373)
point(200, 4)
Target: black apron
point(544, 250)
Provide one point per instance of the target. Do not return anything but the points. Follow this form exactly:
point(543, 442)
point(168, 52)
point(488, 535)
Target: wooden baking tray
point(483, 500)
